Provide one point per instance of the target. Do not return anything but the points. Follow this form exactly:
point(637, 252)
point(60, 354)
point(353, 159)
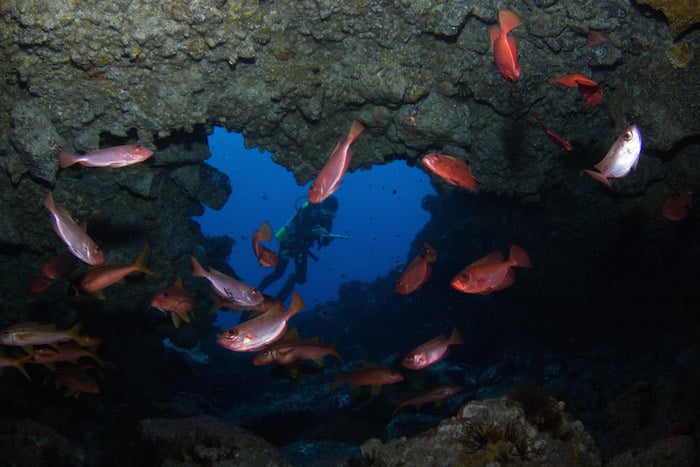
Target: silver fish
point(72, 234)
point(228, 288)
point(622, 157)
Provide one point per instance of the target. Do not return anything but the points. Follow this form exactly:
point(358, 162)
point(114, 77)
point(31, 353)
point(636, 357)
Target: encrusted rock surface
point(292, 75)
point(490, 432)
point(205, 441)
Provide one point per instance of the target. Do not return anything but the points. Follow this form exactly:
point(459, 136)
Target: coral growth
point(681, 14)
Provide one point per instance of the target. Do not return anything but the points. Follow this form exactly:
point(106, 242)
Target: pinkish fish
point(227, 287)
point(30, 333)
point(373, 376)
point(72, 234)
point(262, 330)
point(621, 159)
point(328, 180)
point(436, 395)
point(431, 352)
point(118, 156)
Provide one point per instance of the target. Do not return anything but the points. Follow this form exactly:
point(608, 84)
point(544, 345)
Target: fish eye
point(628, 135)
point(232, 333)
point(138, 146)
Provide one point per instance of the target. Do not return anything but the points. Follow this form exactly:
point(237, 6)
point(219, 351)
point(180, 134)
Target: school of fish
point(66, 351)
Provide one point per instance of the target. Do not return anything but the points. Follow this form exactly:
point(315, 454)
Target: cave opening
point(379, 211)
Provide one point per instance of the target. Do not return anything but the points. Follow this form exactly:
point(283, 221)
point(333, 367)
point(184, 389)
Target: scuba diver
point(310, 225)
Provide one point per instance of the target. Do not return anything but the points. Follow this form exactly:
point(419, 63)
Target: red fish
point(293, 349)
point(227, 287)
point(99, 277)
point(373, 376)
point(76, 381)
point(454, 171)
point(59, 266)
point(262, 330)
point(72, 234)
point(65, 352)
point(591, 92)
point(436, 395)
point(505, 51)
point(559, 140)
point(118, 156)
point(38, 285)
point(177, 301)
point(677, 208)
point(417, 272)
point(328, 180)
point(431, 352)
point(491, 273)
point(266, 257)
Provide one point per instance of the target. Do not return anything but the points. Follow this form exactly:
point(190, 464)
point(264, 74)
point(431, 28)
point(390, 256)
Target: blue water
point(380, 210)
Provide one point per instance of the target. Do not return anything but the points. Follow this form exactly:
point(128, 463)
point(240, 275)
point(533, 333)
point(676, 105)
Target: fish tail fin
point(175, 319)
point(597, 176)
point(19, 364)
point(75, 335)
point(138, 264)
point(456, 338)
point(508, 20)
point(297, 304)
point(66, 159)
point(519, 257)
point(48, 202)
point(197, 269)
point(217, 304)
point(356, 129)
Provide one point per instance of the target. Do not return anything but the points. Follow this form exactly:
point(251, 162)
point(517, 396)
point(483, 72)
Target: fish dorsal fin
point(292, 334)
point(494, 34)
point(178, 283)
point(491, 258)
point(265, 232)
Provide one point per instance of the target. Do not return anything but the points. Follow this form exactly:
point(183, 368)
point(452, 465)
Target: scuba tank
point(281, 234)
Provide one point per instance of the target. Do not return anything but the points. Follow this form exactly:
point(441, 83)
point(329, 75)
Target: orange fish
point(436, 395)
point(373, 376)
point(559, 140)
point(417, 272)
point(177, 301)
point(262, 330)
point(591, 92)
point(328, 180)
point(431, 352)
point(99, 277)
point(454, 171)
point(504, 49)
point(266, 257)
point(491, 273)
point(677, 208)
point(118, 156)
